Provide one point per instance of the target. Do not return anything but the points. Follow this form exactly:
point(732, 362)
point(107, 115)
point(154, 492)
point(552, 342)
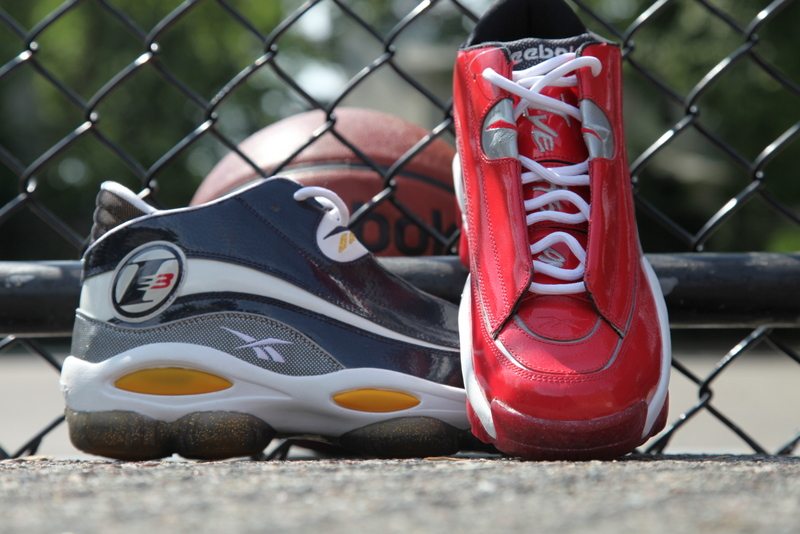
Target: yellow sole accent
point(172, 381)
point(375, 400)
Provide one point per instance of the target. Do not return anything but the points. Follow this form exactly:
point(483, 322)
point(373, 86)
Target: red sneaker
point(564, 333)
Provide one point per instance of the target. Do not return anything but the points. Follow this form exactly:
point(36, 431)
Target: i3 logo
point(147, 280)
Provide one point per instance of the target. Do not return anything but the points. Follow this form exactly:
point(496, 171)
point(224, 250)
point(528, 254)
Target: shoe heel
point(200, 435)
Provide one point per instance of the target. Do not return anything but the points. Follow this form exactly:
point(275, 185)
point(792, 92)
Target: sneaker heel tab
point(115, 204)
point(122, 192)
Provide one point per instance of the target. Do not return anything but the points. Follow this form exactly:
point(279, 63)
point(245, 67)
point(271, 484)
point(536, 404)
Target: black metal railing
point(712, 134)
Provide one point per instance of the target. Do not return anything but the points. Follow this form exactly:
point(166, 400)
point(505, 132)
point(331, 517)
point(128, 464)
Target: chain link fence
point(712, 105)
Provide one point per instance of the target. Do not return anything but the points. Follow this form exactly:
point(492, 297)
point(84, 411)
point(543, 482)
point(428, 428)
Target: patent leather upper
point(539, 363)
point(265, 228)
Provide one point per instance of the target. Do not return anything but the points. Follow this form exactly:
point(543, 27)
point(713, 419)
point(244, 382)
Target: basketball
point(423, 185)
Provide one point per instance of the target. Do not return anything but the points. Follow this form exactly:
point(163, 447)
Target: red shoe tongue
point(554, 140)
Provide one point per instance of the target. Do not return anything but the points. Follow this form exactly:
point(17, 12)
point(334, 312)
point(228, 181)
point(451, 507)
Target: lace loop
point(559, 195)
point(328, 199)
point(568, 176)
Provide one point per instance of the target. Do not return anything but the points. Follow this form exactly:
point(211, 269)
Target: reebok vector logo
point(337, 242)
point(499, 135)
point(262, 347)
point(146, 281)
point(347, 239)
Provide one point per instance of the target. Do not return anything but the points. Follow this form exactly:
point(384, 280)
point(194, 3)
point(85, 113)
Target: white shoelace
point(527, 85)
point(328, 199)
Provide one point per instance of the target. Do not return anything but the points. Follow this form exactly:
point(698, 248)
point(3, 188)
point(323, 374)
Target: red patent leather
point(499, 257)
point(613, 249)
point(593, 378)
point(568, 376)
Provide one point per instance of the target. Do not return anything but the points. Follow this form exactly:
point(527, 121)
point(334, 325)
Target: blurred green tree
point(173, 88)
point(745, 107)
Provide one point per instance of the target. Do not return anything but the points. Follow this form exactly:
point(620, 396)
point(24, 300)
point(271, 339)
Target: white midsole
point(656, 403)
point(289, 404)
point(474, 391)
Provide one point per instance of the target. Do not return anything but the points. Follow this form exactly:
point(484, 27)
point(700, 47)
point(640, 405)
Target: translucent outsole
point(217, 435)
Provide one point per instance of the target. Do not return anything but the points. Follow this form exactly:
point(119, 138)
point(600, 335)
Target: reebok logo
point(346, 240)
point(539, 53)
point(262, 348)
point(338, 242)
point(499, 136)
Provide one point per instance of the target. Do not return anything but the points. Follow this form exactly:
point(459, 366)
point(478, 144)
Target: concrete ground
point(724, 494)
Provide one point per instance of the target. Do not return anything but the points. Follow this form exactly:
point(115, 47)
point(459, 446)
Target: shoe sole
point(519, 434)
point(220, 435)
point(603, 438)
point(413, 417)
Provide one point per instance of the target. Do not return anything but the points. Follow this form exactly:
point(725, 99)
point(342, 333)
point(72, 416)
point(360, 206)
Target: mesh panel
point(292, 354)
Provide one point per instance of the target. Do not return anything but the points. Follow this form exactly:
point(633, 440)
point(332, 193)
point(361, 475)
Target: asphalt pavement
point(725, 494)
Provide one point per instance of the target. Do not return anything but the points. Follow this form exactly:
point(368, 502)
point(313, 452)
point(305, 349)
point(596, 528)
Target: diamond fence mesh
point(153, 93)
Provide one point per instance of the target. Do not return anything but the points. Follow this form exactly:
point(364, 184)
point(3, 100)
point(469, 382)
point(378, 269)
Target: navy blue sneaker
point(209, 331)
